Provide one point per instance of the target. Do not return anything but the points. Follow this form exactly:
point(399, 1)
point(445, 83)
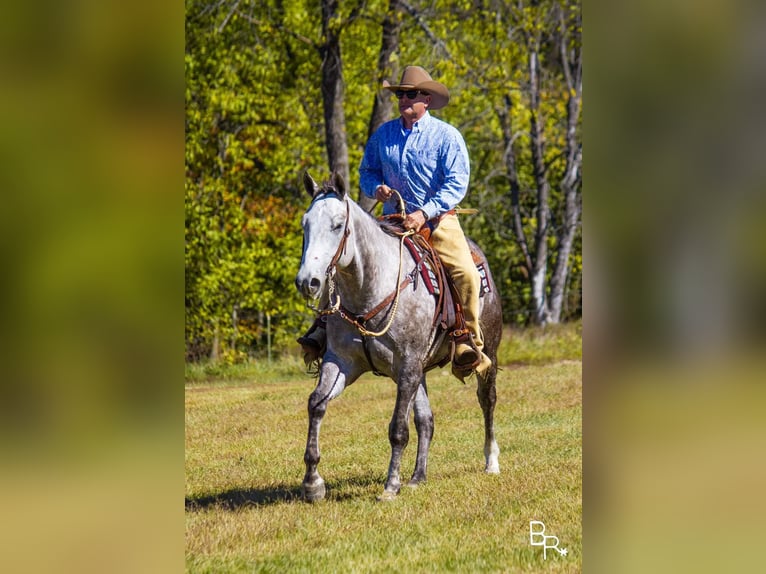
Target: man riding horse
point(426, 160)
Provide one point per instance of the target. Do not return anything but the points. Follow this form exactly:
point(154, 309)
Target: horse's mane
point(328, 188)
point(391, 225)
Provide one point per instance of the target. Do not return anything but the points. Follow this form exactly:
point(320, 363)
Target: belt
point(434, 221)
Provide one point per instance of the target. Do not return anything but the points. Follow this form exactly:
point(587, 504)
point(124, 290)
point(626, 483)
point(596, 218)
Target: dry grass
point(244, 465)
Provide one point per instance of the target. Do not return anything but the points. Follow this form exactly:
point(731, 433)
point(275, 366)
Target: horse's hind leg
point(332, 381)
point(487, 398)
point(424, 424)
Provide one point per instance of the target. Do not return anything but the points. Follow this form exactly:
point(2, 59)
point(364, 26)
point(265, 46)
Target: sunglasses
point(411, 94)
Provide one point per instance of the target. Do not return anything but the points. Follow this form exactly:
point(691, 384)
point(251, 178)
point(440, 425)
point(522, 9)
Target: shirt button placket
point(403, 164)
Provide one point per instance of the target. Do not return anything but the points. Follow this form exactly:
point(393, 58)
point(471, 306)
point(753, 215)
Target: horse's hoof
point(387, 496)
point(492, 468)
point(313, 492)
point(415, 482)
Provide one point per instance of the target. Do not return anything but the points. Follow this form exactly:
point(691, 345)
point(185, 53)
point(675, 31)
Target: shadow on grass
point(354, 487)
point(239, 498)
point(348, 488)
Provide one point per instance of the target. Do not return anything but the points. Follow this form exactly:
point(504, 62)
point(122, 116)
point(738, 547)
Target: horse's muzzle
point(308, 286)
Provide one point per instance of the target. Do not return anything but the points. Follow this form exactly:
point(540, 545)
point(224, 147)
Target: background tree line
point(274, 88)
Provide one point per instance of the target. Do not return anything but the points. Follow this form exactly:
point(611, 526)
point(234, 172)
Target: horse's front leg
point(332, 380)
point(399, 433)
point(424, 424)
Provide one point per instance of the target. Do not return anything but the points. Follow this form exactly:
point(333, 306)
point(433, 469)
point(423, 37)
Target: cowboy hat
point(416, 78)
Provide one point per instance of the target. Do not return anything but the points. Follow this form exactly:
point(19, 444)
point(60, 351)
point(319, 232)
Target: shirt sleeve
point(371, 168)
point(457, 171)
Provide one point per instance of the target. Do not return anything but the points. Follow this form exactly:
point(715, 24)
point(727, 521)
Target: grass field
point(245, 436)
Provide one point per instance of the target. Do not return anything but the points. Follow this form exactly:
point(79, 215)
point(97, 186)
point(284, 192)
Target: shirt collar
point(419, 125)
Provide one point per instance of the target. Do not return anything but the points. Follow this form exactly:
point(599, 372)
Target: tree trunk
point(234, 327)
point(541, 312)
point(547, 294)
point(509, 158)
point(381, 107)
point(572, 208)
point(570, 182)
point(333, 90)
point(215, 346)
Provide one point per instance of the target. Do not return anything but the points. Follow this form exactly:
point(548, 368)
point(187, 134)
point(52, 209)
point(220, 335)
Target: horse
point(350, 261)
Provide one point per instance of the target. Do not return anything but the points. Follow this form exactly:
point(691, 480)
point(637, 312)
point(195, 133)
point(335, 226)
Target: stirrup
point(464, 370)
point(466, 356)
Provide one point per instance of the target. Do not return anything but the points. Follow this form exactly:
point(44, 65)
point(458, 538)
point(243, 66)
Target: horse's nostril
point(308, 287)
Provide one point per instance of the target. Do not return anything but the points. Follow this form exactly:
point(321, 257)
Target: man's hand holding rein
point(383, 193)
point(415, 220)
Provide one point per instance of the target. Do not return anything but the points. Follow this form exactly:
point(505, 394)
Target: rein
point(336, 306)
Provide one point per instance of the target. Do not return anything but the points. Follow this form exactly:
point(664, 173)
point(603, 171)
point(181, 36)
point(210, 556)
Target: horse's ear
point(339, 183)
point(309, 183)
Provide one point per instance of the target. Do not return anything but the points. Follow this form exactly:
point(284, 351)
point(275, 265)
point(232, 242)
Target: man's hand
point(415, 220)
point(383, 193)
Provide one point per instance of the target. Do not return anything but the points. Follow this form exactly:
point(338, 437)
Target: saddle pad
point(485, 288)
point(429, 275)
point(426, 269)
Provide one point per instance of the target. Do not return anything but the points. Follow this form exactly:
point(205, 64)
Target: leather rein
point(335, 305)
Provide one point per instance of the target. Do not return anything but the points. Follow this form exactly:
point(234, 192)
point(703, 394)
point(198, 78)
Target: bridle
point(335, 305)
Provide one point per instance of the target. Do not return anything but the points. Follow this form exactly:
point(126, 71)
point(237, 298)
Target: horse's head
point(325, 228)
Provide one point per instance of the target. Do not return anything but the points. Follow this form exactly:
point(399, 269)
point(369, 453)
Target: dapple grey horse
point(350, 258)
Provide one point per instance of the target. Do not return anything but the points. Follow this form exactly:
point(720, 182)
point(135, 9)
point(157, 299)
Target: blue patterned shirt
point(428, 165)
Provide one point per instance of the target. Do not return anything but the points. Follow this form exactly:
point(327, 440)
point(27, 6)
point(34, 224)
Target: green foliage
point(243, 160)
point(254, 123)
point(494, 59)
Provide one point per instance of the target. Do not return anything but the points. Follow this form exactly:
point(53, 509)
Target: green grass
point(527, 346)
point(245, 436)
point(284, 366)
point(540, 345)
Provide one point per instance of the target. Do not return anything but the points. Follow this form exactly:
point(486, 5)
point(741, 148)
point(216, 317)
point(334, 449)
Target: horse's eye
point(337, 227)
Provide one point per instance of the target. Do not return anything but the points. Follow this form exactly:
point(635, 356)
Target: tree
point(381, 107)
point(242, 231)
point(333, 89)
point(537, 99)
point(558, 26)
point(274, 88)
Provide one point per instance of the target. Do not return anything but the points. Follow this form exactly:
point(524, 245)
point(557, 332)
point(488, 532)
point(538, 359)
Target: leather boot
point(449, 242)
point(314, 343)
point(468, 359)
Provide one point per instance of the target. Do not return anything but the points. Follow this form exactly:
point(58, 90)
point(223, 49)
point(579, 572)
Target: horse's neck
point(371, 274)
